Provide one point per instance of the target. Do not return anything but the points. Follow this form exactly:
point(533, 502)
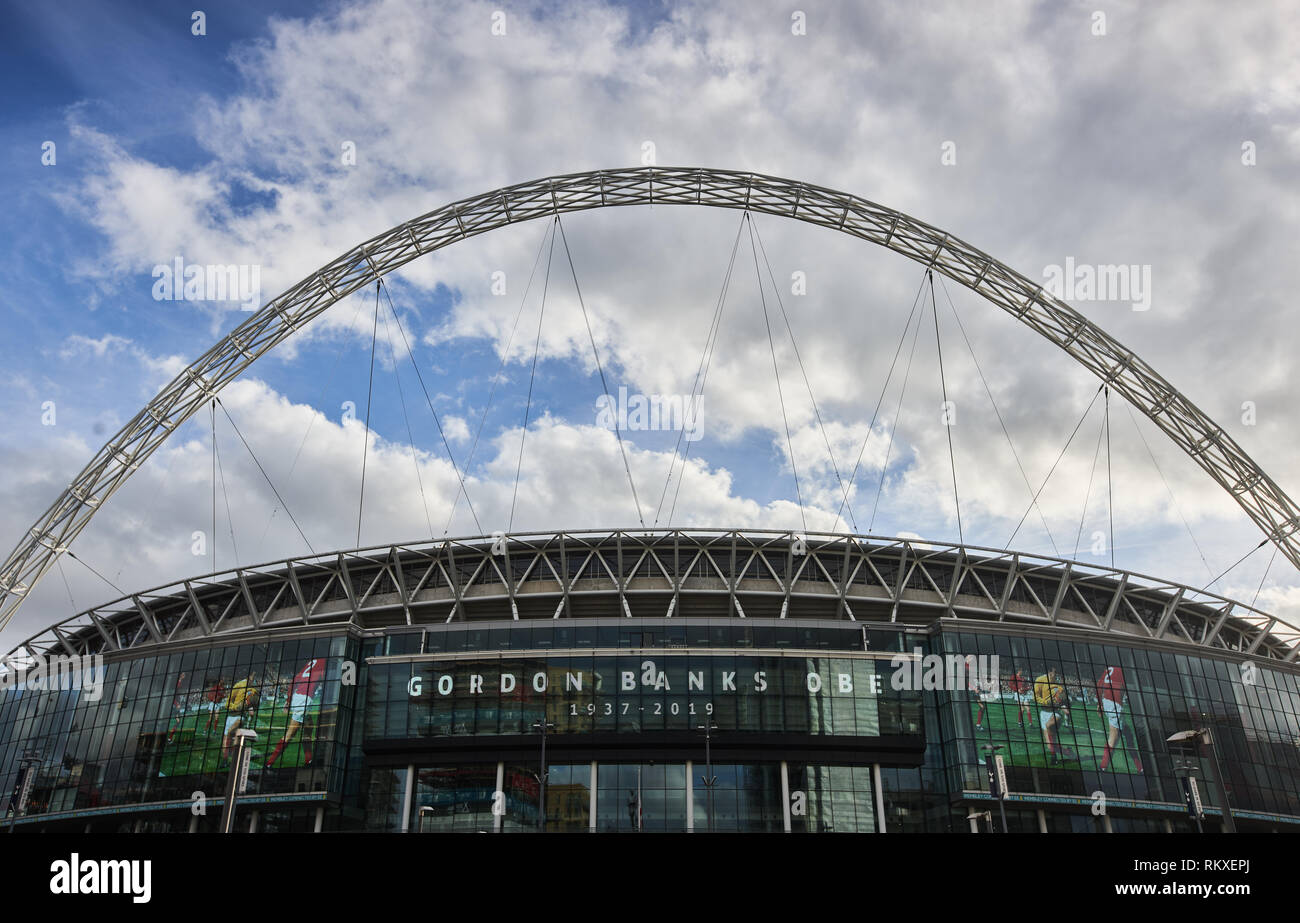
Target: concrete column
point(785, 796)
point(498, 819)
point(407, 798)
point(591, 810)
point(879, 794)
point(1169, 827)
point(974, 822)
point(1105, 823)
point(690, 797)
point(194, 823)
point(320, 819)
point(253, 817)
point(1042, 821)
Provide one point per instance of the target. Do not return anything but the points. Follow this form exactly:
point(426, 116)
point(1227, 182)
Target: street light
point(997, 780)
point(709, 779)
point(542, 726)
point(1184, 771)
point(26, 772)
point(237, 781)
point(1203, 735)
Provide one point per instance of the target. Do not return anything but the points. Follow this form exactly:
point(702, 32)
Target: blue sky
point(226, 149)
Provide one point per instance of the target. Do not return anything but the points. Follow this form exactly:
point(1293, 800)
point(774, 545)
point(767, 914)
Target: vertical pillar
point(499, 819)
point(879, 794)
point(974, 822)
point(690, 797)
point(407, 798)
point(1105, 823)
point(1169, 827)
point(591, 810)
point(785, 796)
point(194, 823)
point(320, 819)
point(1042, 821)
point(253, 817)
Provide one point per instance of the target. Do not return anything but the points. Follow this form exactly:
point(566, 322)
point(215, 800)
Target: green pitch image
point(196, 749)
point(1084, 732)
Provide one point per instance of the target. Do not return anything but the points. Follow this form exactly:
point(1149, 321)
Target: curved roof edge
point(751, 572)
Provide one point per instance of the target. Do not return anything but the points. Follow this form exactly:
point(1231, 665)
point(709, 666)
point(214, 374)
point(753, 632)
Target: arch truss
point(1027, 301)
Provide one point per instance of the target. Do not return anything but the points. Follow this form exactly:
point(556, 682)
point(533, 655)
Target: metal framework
point(665, 574)
point(1025, 300)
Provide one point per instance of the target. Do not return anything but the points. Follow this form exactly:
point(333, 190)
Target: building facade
point(674, 681)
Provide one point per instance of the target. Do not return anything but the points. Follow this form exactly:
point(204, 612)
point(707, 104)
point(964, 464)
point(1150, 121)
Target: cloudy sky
point(1162, 137)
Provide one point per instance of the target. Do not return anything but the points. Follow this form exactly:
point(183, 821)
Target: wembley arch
point(1027, 301)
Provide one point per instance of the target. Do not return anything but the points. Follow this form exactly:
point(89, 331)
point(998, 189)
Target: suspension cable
point(898, 412)
point(267, 477)
point(830, 453)
point(880, 400)
point(496, 379)
point(225, 496)
point(1038, 493)
point(948, 424)
point(776, 371)
point(1087, 494)
point(436, 419)
point(1110, 483)
point(1234, 566)
point(212, 410)
point(120, 591)
point(1253, 599)
point(320, 399)
point(595, 352)
point(532, 377)
point(67, 586)
point(1209, 570)
point(701, 377)
point(1001, 422)
point(410, 434)
point(365, 442)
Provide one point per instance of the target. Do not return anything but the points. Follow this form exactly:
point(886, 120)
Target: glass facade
point(700, 725)
point(161, 728)
point(1074, 718)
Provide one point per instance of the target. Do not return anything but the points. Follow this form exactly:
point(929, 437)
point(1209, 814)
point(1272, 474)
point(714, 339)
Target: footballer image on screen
point(1045, 719)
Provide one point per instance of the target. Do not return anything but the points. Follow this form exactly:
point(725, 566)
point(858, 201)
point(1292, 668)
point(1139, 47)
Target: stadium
point(652, 679)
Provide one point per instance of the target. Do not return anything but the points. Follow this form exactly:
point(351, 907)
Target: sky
point(1163, 137)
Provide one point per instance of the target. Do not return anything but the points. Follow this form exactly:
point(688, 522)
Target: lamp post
point(237, 781)
point(1203, 735)
point(634, 814)
point(709, 779)
point(26, 770)
point(1184, 771)
point(976, 815)
point(542, 726)
point(997, 780)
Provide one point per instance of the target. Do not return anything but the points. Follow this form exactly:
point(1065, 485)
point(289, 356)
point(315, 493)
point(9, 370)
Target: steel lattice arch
point(648, 574)
point(1027, 301)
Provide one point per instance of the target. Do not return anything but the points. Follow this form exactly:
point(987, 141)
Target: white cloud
point(438, 109)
